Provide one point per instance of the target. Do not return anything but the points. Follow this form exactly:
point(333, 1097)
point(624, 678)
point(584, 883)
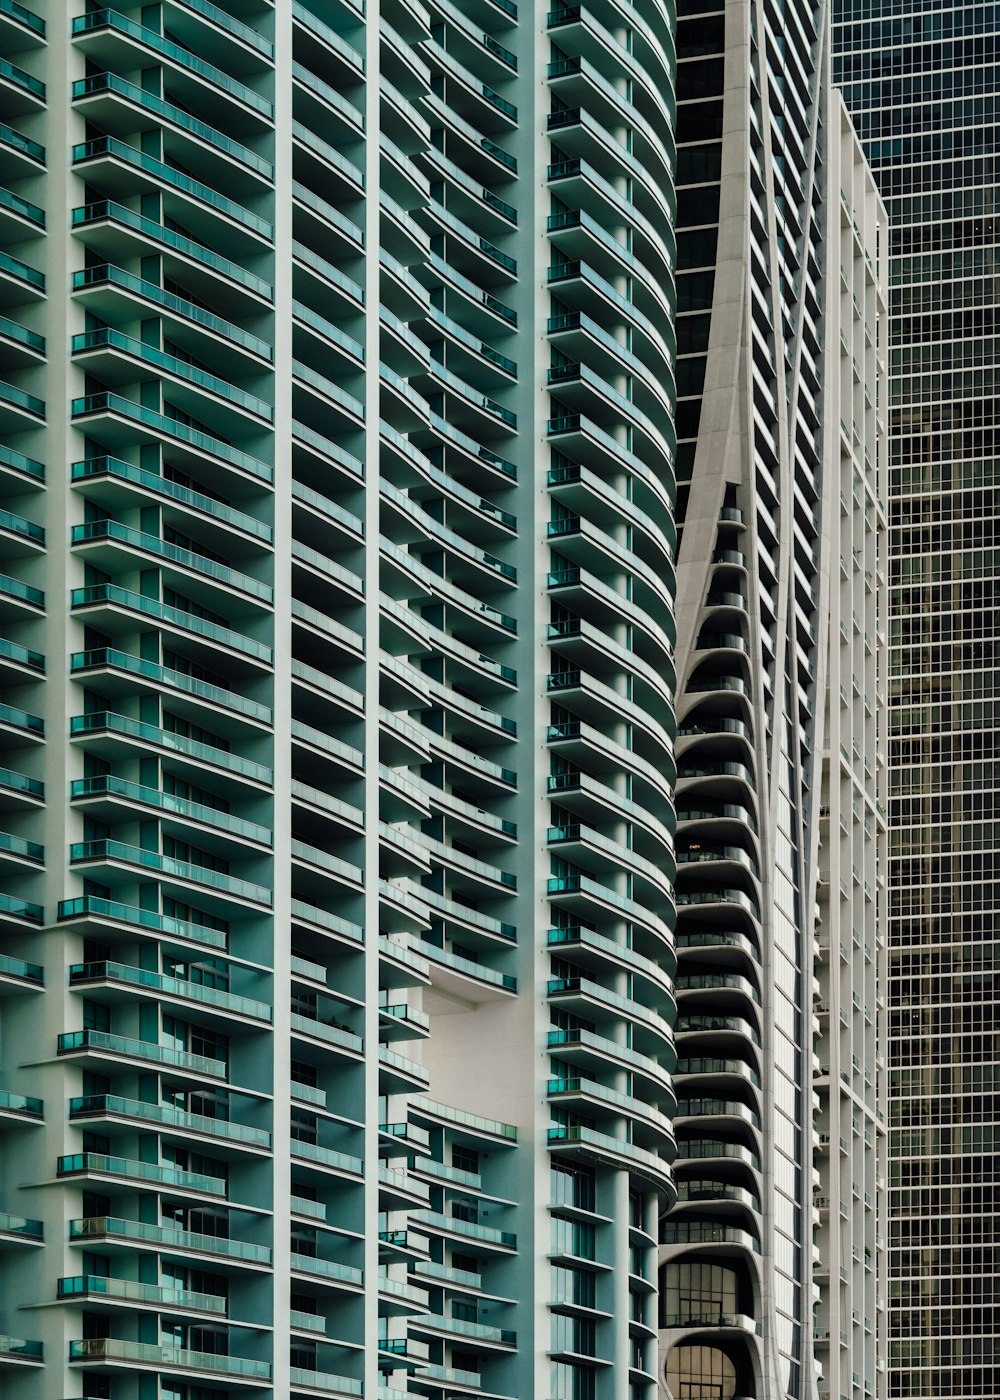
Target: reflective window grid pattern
point(922, 82)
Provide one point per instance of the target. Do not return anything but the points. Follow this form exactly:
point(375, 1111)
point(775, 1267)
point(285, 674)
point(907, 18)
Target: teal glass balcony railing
point(166, 1236)
point(14, 908)
point(100, 720)
point(20, 79)
point(17, 967)
point(17, 1225)
point(108, 210)
point(100, 83)
point(470, 1229)
point(174, 53)
point(14, 588)
point(222, 19)
point(18, 846)
point(172, 986)
point(172, 553)
point(17, 461)
point(107, 274)
point(327, 1157)
point(21, 782)
point(18, 525)
point(96, 468)
point(99, 1163)
point(165, 1116)
point(301, 1376)
point(94, 906)
point(107, 402)
point(16, 11)
point(23, 271)
point(114, 596)
point(21, 1104)
point(20, 1348)
point(167, 1358)
point(21, 335)
point(107, 785)
point(21, 655)
point(116, 660)
point(107, 339)
point(127, 1290)
point(18, 398)
point(167, 175)
point(107, 850)
point(70, 1041)
point(325, 1268)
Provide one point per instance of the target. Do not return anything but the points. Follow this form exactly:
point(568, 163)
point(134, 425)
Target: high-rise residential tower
point(922, 84)
point(777, 585)
point(337, 647)
point(339, 1050)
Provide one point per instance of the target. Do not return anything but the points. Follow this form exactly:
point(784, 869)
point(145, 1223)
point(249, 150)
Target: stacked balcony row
point(610, 637)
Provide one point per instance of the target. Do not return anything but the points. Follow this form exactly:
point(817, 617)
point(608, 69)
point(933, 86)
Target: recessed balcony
point(113, 41)
point(118, 234)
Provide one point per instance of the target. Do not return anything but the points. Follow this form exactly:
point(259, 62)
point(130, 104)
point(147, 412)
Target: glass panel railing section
point(14, 10)
point(171, 986)
point(19, 78)
point(18, 846)
point(19, 398)
point(222, 19)
point(108, 273)
point(98, 720)
point(109, 210)
point(167, 175)
point(94, 906)
point(100, 1164)
point(18, 525)
point(116, 660)
point(21, 1103)
point(163, 549)
point(172, 427)
point(20, 1348)
point(173, 52)
point(17, 1225)
point(21, 335)
point(14, 267)
point(17, 461)
point(127, 1290)
point(21, 782)
point(17, 967)
point(101, 1226)
point(108, 339)
point(23, 656)
point(111, 851)
point(111, 595)
point(165, 1357)
point(94, 468)
point(69, 1041)
point(102, 1105)
point(15, 908)
point(99, 83)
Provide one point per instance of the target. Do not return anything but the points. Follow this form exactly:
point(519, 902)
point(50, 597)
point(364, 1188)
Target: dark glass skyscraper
point(921, 80)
